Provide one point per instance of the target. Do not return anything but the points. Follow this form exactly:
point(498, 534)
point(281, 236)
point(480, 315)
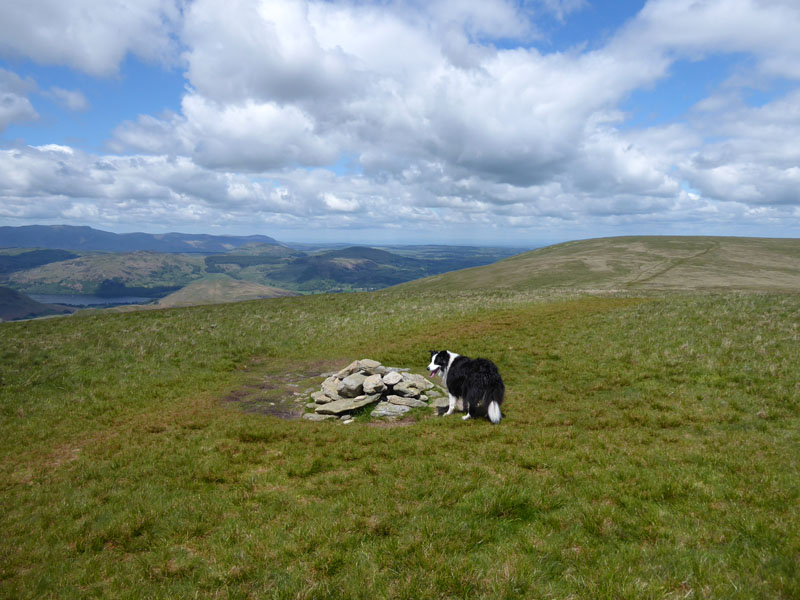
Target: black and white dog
point(474, 381)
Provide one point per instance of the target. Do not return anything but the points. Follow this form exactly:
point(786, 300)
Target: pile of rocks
point(365, 382)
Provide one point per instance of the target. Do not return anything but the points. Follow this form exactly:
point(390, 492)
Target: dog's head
point(439, 361)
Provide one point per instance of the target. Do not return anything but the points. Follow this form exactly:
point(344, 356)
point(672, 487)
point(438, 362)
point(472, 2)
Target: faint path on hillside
point(660, 269)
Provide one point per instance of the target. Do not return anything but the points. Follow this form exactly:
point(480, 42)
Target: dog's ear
point(434, 352)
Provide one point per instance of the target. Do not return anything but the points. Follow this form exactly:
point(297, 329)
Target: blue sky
point(490, 121)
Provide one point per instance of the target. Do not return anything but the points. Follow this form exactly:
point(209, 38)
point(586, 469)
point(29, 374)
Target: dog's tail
point(494, 412)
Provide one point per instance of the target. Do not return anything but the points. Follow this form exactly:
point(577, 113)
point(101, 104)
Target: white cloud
point(71, 99)
point(93, 37)
point(15, 107)
point(444, 126)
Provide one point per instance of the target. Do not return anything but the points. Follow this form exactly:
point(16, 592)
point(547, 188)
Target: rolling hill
point(638, 263)
point(218, 289)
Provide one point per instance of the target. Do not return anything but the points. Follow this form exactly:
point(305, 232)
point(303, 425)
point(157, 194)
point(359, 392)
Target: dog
point(474, 381)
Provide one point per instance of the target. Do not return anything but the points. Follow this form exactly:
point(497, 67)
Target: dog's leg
point(452, 406)
point(466, 417)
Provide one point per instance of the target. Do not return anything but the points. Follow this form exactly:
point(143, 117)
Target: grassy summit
point(650, 450)
point(639, 263)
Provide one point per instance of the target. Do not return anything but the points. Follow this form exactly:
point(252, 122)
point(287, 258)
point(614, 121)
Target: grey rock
point(417, 381)
point(402, 401)
point(374, 384)
point(318, 417)
point(407, 389)
point(346, 405)
point(320, 398)
point(392, 378)
point(330, 387)
point(366, 364)
point(348, 370)
point(351, 386)
point(441, 402)
point(389, 410)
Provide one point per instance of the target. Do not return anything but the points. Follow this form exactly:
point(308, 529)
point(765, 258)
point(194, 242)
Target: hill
point(109, 275)
point(68, 237)
point(638, 263)
point(14, 305)
point(219, 289)
point(649, 450)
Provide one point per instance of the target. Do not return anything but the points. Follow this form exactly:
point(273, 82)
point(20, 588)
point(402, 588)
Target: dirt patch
point(282, 394)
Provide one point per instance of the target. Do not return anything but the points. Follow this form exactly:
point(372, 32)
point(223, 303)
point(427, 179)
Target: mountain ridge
point(72, 237)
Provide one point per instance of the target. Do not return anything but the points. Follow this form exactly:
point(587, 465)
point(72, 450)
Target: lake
point(76, 300)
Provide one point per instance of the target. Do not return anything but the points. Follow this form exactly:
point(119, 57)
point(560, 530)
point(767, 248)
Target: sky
point(500, 122)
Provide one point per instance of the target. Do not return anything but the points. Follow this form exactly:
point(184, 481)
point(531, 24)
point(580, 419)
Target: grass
point(639, 263)
point(651, 450)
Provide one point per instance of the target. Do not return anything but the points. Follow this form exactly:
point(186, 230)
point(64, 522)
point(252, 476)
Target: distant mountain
point(14, 305)
point(68, 237)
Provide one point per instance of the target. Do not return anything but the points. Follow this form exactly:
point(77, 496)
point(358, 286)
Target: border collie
point(474, 381)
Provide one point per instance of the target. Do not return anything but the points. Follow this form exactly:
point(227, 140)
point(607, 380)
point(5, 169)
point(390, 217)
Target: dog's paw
point(465, 417)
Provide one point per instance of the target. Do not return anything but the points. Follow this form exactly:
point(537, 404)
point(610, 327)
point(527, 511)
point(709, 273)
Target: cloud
point(446, 126)
point(71, 99)
point(93, 37)
point(15, 107)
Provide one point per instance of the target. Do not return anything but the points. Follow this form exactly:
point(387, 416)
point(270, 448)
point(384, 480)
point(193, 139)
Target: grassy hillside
point(220, 288)
point(14, 305)
point(639, 263)
point(651, 449)
point(87, 274)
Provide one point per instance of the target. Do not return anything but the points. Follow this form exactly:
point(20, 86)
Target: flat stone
point(402, 401)
point(318, 417)
point(392, 378)
point(348, 370)
point(320, 398)
point(374, 384)
point(346, 405)
point(368, 363)
point(389, 410)
point(351, 386)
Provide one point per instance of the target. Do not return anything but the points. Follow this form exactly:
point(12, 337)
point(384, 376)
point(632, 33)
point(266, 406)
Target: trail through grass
point(650, 450)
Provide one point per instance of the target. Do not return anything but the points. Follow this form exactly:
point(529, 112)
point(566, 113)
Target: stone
point(389, 410)
point(348, 370)
point(318, 417)
point(348, 421)
point(374, 384)
point(417, 381)
point(367, 364)
point(402, 401)
point(441, 402)
point(347, 405)
point(392, 378)
point(330, 387)
point(407, 389)
point(351, 386)
point(320, 398)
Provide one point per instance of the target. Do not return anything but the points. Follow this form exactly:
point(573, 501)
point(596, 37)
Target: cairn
point(393, 392)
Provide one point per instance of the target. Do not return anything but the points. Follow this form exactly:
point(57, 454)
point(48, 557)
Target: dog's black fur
point(475, 381)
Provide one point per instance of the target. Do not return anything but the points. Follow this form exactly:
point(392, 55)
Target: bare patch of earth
point(282, 394)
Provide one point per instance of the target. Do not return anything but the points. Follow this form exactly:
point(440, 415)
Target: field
point(651, 449)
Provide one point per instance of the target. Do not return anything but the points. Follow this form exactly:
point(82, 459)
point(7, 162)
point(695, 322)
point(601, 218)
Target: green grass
point(651, 450)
